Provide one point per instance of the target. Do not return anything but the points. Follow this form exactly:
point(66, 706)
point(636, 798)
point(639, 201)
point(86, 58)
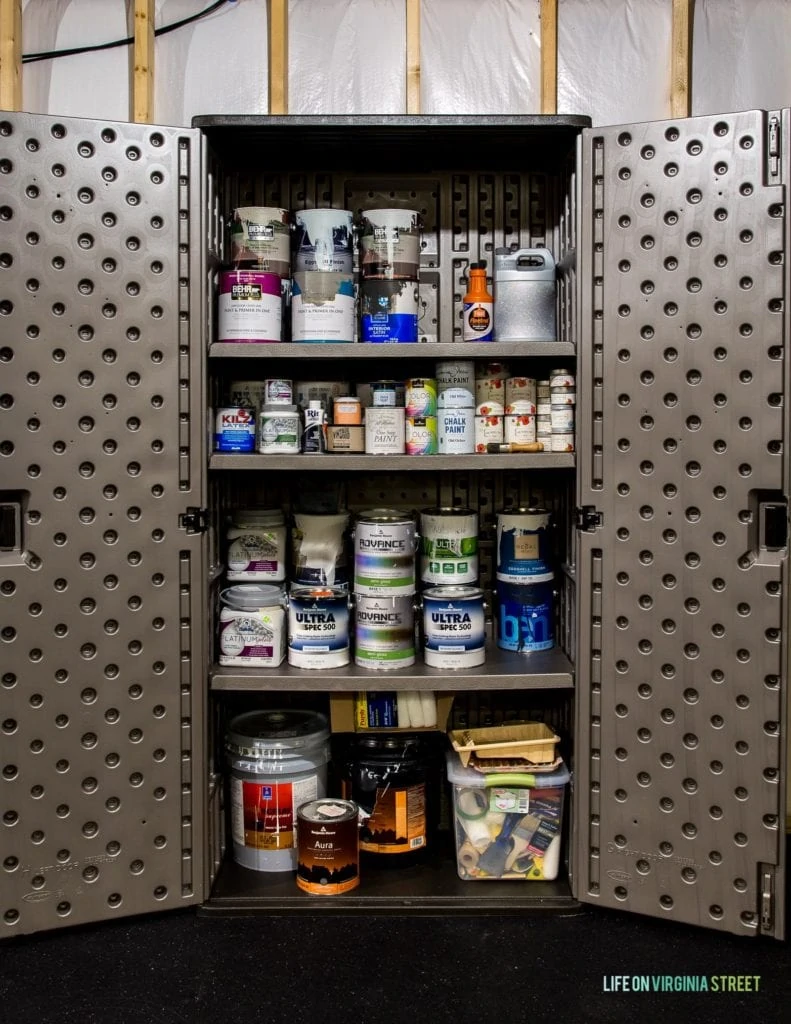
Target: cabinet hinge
point(588, 518)
point(774, 146)
point(767, 902)
point(194, 520)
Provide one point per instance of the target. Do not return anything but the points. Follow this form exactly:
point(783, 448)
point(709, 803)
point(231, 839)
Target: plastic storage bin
point(508, 825)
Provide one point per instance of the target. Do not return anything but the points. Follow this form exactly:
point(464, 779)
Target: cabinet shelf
point(503, 670)
point(456, 350)
point(390, 463)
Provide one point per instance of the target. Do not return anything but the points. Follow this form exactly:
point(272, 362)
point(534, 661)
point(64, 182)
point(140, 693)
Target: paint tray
point(533, 742)
point(511, 765)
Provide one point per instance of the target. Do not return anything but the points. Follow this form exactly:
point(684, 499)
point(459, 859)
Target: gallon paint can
point(456, 431)
point(384, 632)
point(249, 307)
point(455, 384)
point(318, 627)
point(328, 847)
point(421, 435)
point(525, 617)
point(278, 761)
point(421, 397)
point(389, 312)
point(323, 241)
point(234, 430)
point(252, 626)
point(385, 431)
point(523, 550)
point(280, 430)
point(448, 546)
point(453, 627)
point(319, 550)
point(385, 546)
point(256, 546)
point(489, 429)
point(520, 428)
point(322, 307)
point(390, 244)
point(261, 238)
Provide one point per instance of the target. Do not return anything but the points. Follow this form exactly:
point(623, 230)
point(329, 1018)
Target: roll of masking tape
point(468, 856)
point(472, 804)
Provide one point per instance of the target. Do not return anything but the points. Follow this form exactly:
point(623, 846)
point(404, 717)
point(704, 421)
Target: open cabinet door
point(683, 469)
point(102, 578)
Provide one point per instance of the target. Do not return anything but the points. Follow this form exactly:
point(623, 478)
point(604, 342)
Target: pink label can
point(249, 307)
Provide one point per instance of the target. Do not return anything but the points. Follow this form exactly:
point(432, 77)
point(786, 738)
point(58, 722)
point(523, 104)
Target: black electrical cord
point(30, 58)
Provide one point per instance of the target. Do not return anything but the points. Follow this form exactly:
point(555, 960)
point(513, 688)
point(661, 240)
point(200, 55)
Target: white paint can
point(454, 634)
point(488, 430)
point(561, 379)
point(490, 383)
point(562, 419)
point(448, 546)
point(261, 238)
point(256, 546)
point(390, 244)
point(455, 384)
point(384, 634)
point(323, 241)
point(252, 627)
point(385, 431)
point(520, 429)
point(385, 547)
point(562, 442)
point(249, 307)
point(322, 307)
point(563, 396)
point(520, 389)
point(456, 431)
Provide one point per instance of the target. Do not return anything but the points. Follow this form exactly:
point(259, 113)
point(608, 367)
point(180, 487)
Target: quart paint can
point(328, 846)
point(455, 384)
point(278, 391)
point(252, 630)
point(562, 442)
point(383, 394)
point(421, 396)
point(256, 546)
point(280, 430)
point(525, 616)
point(421, 435)
point(448, 546)
point(520, 429)
point(322, 307)
point(390, 244)
point(490, 383)
point(261, 238)
point(234, 430)
point(453, 627)
point(563, 396)
point(318, 544)
point(324, 391)
point(385, 547)
point(323, 241)
point(456, 431)
point(278, 762)
point(520, 389)
point(248, 393)
point(318, 627)
point(523, 548)
point(389, 312)
point(488, 430)
point(385, 431)
point(562, 419)
point(384, 632)
point(249, 307)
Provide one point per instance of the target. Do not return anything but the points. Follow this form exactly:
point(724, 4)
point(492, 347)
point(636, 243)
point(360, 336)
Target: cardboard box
point(345, 439)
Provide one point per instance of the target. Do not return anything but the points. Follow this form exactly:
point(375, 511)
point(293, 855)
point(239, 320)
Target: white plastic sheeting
point(480, 57)
point(347, 56)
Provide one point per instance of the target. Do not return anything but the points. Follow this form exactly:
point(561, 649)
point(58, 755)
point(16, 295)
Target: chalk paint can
point(421, 435)
point(328, 847)
point(249, 307)
point(280, 430)
point(390, 244)
point(563, 396)
point(525, 616)
point(252, 631)
point(385, 547)
point(520, 389)
point(455, 384)
point(318, 627)
point(278, 762)
point(562, 419)
point(324, 391)
point(234, 430)
point(490, 383)
point(488, 430)
point(261, 238)
point(322, 307)
point(520, 407)
point(385, 431)
point(520, 429)
point(448, 546)
point(562, 379)
point(453, 627)
point(323, 241)
point(523, 547)
point(421, 396)
point(456, 431)
point(562, 442)
point(384, 632)
point(389, 312)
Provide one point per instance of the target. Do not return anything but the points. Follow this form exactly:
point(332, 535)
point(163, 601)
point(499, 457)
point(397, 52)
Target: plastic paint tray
point(533, 741)
point(511, 765)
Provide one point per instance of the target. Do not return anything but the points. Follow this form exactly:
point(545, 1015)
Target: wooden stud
point(11, 54)
point(413, 56)
point(278, 56)
point(549, 56)
point(143, 76)
point(681, 60)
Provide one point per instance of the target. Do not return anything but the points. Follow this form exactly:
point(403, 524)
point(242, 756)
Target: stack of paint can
point(490, 381)
point(520, 410)
point(544, 414)
point(563, 398)
point(322, 291)
point(421, 416)
point(279, 425)
point(525, 598)
point(456, 407)
point(389, 267)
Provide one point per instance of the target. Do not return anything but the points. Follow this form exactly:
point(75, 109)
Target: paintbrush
point(498, 448)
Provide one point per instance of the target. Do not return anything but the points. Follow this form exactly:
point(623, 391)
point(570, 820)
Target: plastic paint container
point(328, 847)
point(280, 430)
point(525, 616)
point(278, 761)
point(384, 632)
point(249, 307)
point(322, 307)
point(385, 431)
point(256, 546)
point(323, 241)
point(456, 431)
point(347, 411)
point(261, 238)
point(523, 550)
point(390, 244)
point(453, 627)
point(318, 627)
point(385, 545)
point(455, 384)
point(448, 546)
point(421, 435)
point(252, 626)
point(389, 312)
point(319, 550)
point(234, 430)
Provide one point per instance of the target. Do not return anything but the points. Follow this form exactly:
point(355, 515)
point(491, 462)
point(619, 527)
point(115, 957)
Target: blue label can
point(318, 627)
point(525, 616)
point(454, 633)
point(234, 430)
point(389, 312)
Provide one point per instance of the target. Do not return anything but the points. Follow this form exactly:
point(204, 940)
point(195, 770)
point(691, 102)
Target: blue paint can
point(234, 430)
point(525, 616)
point(389, 312)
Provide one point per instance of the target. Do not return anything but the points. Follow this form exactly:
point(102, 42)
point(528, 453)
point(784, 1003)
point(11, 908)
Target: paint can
point(328, 848)
point(278, 392)
point(322, 307)
point(385, 431)
point(562, 419)
point(261, 238)
point(523, 549)
point(562, 442)
point(543, 391)
point(520, 389)
point(563, 396)
point(323, 241)
point(384, 632)
point(390, 244)
point(490, 383)
point(383, 393)
point(234, 430)
point(324, 391)
point(455, 384)
point(389, 312)
point(489, 429)
point(525, 616)
point(252, 630)
point(448, 546)
point(249, 307)
point(421, 397)
point(453, 627)
point(385, 545)
point(562, 378)
point(280, 430)
point(278, 761)
point(319, 549)
point(520, 428)
point(421, 435)
point(256, 546)
point(318, 627)
point(456, 431)
point(248, 393)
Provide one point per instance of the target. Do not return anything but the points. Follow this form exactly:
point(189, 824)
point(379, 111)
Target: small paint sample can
point(453, 627)
point(562, 419)
point(455, 384)
point(261, 238)
point(456, 431)
point(543, 409)
point(234, 430)
point(385, 430)
point(278, 392)
point(324, 241)
point(322, 307)
point(328, 847)
point(520, 429)
point(347, 411)
point(543, 391)
point(389, 312)
point(390, 244)
point(520, 389)
point(383, 394)
point(421, 397)
point(562, 379)
point(279, 432)
point(563, 396)
point(421, 435)
point(520, 407)
point(249, 307)
point(562, 442)
point(543, 426)
point(488, 430)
